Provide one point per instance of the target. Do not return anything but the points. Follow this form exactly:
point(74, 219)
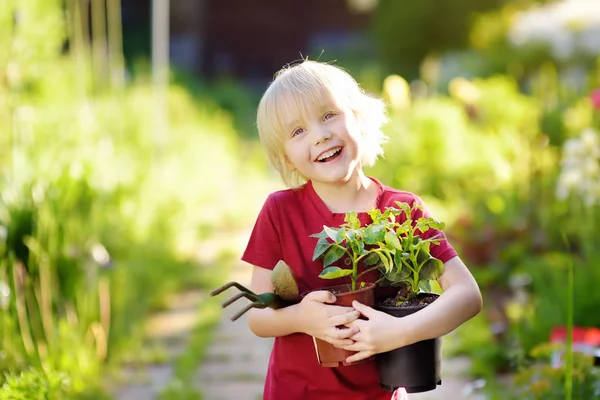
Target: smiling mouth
point(329, 155)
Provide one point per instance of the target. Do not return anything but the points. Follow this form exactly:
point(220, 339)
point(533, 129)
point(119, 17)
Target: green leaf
point(371, 259)
point(361, 248)
point(423, 254)
point(334, 253)
point(334, 272)
point(332, 233)
point(425, 286)
point(320, 235)
point(438, 225)
point(392, 240)
point(432, 269)
point(401, 230)
point(321, 247)
point(375, 214)
point(352, 220)
point(374, 234)
point(384, 260)
point(394, 279)
point(401, 270)
point(352, 235)
point(398, 258)
point(405, 243)
point(406, 208)
point(389, 212)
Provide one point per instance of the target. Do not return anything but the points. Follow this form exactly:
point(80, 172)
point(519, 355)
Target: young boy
point(319, 129)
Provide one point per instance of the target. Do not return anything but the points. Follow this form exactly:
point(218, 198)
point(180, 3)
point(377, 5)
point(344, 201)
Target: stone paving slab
point(235, 364)
point(154, 380)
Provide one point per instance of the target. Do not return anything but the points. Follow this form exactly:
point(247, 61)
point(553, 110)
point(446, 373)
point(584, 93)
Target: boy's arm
point(460, 301)
point(310, 316)
point(268, 322)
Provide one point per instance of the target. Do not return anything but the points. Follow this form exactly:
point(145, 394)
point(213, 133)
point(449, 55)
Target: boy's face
point(324, 144)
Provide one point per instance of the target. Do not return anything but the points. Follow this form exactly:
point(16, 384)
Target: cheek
point(290, 157)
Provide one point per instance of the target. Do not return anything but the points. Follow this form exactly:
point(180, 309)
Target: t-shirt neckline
point(326, 212)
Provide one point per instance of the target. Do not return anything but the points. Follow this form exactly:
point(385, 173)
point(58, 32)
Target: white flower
point(590, 141)
point(571, 178)
point(580, 168)
point(4, 295)
point(100, 255)
point(566, 27)
point(572, 148)
point(590, 167)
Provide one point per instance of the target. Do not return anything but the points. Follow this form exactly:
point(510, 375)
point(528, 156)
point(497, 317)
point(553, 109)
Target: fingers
point(345, 319)
point(341, 337)
point(339, 343)
point(322, 296)
point(363, 309)
point(358, 344)
point(361, 355)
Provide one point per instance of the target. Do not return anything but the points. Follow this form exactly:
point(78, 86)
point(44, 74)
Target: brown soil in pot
point(421, 299)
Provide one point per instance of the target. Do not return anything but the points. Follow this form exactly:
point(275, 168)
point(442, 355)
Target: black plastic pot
point(416, 367)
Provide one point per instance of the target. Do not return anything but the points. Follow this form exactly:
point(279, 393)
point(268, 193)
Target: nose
point(321, 134)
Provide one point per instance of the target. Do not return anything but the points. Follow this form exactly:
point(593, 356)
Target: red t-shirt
point(282, 232)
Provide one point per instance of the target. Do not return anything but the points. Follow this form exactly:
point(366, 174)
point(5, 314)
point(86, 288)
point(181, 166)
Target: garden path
point(171, 330)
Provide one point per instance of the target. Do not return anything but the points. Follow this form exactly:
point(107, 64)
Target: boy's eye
point(329, 115)
point(297, 132)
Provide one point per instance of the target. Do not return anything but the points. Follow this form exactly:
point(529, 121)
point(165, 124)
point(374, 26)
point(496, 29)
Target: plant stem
point(367, 270)
point(116, 63)
point(99, 43)
point(18, 271)
point(354, 273)
point(415, 285)
point(569, 349)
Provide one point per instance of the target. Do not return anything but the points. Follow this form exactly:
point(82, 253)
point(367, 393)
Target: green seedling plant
point(405, 256)
point(395, 248)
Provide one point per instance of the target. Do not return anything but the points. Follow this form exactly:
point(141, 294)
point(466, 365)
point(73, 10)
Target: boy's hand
point(379, 333)
point(322, 320)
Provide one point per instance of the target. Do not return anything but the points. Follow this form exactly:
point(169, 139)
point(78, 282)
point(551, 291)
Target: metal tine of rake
point(248, 307)
point(250, 296)
point(244, 292)
point(227, 286)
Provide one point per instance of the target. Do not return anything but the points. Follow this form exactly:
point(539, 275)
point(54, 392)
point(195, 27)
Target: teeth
point(328, 154)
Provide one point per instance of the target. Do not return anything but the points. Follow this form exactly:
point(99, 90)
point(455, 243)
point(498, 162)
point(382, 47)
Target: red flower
point(595, 96)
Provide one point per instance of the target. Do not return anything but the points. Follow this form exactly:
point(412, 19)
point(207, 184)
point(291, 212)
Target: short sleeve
point(264, 247)
point(444, 251)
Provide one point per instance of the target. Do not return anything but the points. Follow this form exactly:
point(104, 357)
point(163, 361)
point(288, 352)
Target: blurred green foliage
point(547, 308)
point(101, 215)
point(542, 381)
point(486, 158)
point(407, 31)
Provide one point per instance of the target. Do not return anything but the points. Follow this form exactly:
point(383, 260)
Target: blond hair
point(302, 87)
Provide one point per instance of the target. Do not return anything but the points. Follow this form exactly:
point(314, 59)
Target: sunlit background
point(131, 174)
